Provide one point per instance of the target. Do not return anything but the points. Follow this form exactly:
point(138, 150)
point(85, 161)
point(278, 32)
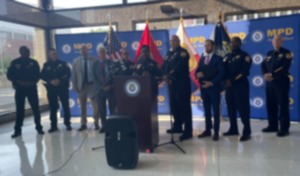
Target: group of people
point(93, 78)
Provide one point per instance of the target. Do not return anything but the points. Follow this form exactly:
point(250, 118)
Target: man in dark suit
point(276, 70)
point(210, 73)
point(237, 68)
point(177, 75)
point(56, 74)
point(103, 89)
point(24, 73)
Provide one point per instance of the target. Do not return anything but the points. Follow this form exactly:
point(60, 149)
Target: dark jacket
point(213, 72)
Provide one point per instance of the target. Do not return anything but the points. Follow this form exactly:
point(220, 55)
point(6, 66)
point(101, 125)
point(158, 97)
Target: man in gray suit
point(83, 83)
point(103, 78)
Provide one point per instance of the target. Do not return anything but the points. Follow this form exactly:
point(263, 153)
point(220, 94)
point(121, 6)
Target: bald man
point(276, 71)
point(83, 84)
point(176, 74)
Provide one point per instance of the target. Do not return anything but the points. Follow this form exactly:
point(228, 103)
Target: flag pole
point(147, 16)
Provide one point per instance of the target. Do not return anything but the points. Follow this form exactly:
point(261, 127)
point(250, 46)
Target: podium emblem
point(132, 88)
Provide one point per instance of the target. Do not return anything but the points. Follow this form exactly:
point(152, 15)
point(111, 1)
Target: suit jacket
point(100, 83)
point(213, 72)
point(78, 72)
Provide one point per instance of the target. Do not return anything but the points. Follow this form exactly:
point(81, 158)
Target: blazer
point(78, 72)
point(99, 82)
point(213, 72)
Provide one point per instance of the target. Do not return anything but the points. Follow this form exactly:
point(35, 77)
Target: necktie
point(85, 79)
point(206, 62)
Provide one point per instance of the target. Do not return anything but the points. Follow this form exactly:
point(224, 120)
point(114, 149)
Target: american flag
point(112, 45)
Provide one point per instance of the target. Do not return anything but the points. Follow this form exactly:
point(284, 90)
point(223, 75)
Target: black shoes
point(102, 130)
point(282, 134)
point(269, 130)
point(204, 134)
point(184, 137)
point(82, 128)
point(16, 134)
point(173, 130)
point(215, 137)
point(52, 130)
point(40, 132)
point(245, 138)
point(97, 127)
point(68, 128)
point(231, 133)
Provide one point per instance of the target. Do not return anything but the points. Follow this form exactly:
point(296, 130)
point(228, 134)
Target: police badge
point(183, 54)
point(18, 66)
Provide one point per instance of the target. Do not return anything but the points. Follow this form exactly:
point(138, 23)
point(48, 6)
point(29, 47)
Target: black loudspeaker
point(121, 142)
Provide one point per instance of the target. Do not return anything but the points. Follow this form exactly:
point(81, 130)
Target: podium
point(137, 96)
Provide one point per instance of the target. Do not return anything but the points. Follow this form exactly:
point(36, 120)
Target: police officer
point(176, 74)
point(24, 73)
point(276, 68)
point(237, 68)
point(147, 66)
point(56, 74)
point(123, 67)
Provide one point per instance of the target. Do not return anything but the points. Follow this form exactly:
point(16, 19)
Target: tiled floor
point(34, 155)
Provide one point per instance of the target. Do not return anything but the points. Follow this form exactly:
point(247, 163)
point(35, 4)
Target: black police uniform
point(61, 71)
point(122, 68)
point(278, 64)
point(146, 67)
point(237, 69)
point(28, 70)
point(176, 68)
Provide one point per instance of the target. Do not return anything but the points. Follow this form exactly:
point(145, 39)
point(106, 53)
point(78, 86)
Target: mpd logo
point(257, 36)
point(66, 48)
point(257, 102)
point(257, 59)
point(71, 103)
point(135, 45)
point(257, 81)
point(132, 88)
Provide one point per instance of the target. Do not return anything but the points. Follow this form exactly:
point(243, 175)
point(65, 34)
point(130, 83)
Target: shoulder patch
point(289, 55)
point(225, 59)
point(183, 54)
point(247, 58)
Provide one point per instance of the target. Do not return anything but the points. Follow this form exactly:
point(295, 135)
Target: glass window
point(170, 24)
point(77, 30)
point(64, 4)
point(137, 1)
point(12, 36)
point(34, 3)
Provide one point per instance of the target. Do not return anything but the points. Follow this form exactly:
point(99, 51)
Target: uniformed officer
point(24, 73)
point(176, 74)
point(237, 69)
point(210, 74)
point(147, 66)
point(56, 74)
point(276, 68)
point(123, 67)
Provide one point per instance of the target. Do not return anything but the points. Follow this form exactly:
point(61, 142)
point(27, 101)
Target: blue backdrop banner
point(256, 34)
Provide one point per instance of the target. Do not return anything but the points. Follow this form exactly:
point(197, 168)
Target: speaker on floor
point(121, 142)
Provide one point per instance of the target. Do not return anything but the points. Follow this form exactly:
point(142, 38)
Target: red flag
point(147, 39)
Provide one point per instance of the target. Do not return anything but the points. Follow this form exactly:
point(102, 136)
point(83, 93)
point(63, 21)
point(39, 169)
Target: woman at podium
point(146, 66)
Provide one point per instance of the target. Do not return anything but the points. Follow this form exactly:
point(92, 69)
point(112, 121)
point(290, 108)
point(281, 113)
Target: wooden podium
point(137, 96)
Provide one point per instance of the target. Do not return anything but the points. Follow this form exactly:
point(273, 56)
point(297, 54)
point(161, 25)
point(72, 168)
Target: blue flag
point(222, 40)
